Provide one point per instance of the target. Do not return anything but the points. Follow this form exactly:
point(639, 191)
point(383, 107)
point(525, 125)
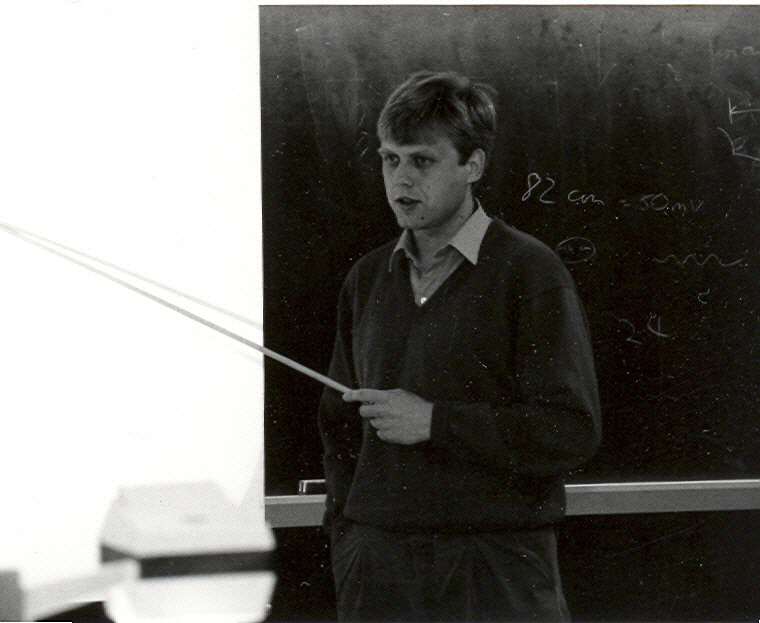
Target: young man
point(475, 390)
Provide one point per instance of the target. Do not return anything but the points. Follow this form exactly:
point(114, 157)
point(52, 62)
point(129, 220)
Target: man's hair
point(445, 102)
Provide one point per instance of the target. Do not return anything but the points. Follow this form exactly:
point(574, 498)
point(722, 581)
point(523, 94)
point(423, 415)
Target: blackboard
point(629, 142)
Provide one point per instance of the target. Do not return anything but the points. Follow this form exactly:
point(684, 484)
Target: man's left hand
point(398, 415)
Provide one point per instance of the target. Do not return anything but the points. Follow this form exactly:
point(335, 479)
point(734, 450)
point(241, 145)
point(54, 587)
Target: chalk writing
point(735, 111)
point(738, 147)
point(676, 75)
point(693, 258)
point(363, 143)
point(576, 250)
point(632, 327)
point(660, 202)
point(575, 196)
point(746, 51)
point(701, 294)
point(534, 180)
point(650, 325)
point(654, 326)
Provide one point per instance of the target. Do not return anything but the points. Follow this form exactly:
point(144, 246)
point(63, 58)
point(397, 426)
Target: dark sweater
point(502, 350)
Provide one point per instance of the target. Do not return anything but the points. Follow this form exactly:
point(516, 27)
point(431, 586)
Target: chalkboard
point(629, 142)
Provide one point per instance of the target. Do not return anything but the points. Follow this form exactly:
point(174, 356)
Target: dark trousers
point(499, 576)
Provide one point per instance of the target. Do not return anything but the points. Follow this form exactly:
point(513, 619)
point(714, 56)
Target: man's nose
point(404, 175)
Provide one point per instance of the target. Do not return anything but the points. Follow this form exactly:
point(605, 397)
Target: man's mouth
point(407, 202)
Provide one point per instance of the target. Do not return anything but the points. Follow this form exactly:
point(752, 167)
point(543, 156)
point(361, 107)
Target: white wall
point(129, 131)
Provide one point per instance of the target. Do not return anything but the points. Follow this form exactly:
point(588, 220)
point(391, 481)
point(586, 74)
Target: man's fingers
point(366, 395)
point(374, 411)
point(379, 423)
point(383, 436)
point(369, 411)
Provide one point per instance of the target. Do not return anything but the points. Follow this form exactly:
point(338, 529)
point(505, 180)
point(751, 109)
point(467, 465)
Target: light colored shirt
point(464, 245)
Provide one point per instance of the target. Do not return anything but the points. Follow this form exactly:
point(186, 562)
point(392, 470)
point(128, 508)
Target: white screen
point(129, 133)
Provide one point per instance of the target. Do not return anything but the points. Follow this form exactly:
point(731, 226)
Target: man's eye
point(390, 159)
point(422, 161)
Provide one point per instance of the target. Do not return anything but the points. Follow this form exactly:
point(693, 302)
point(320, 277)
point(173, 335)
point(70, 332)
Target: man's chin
point(410, 221)
point(404, 222)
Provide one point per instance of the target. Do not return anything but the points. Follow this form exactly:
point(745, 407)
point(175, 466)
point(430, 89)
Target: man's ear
point(476, 165)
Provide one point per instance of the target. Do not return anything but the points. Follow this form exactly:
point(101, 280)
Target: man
point(476, 388)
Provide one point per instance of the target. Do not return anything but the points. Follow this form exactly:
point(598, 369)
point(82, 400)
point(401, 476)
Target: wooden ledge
point(291, 511)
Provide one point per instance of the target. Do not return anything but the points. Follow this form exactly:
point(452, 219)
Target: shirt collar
point(467, 240)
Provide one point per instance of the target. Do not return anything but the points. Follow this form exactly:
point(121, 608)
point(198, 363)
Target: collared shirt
point(465, 244)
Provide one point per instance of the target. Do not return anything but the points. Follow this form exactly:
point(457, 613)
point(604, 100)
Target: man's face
point(426, 186)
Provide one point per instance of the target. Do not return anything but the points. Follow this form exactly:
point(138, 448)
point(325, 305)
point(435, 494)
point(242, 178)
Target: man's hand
point(398, 415)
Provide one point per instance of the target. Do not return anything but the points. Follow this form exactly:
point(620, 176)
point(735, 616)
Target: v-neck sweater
point(502, 350)
point(464, 245)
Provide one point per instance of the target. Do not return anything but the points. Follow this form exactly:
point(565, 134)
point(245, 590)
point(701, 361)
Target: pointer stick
point(62, 252)
point(326, 380)
point(44, 242)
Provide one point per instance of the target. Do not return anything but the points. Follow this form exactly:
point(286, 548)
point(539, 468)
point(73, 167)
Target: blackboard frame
point(675, 42)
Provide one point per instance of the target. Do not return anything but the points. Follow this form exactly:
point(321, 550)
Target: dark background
point(628, 142)
point(650, 567)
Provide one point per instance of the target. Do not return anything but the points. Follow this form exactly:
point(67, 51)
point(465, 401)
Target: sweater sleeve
point(555, 423)
point(339, 422)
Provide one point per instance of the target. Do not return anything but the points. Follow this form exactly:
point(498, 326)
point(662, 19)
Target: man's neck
point(428, 242)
